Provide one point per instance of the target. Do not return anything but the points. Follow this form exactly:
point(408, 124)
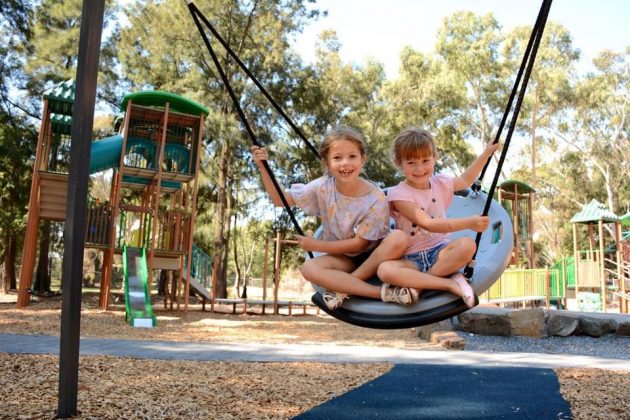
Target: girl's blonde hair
point(341, 132)
point(413, 143)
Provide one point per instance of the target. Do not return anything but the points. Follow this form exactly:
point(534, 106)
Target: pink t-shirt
point(344, 217)
point(433, 202)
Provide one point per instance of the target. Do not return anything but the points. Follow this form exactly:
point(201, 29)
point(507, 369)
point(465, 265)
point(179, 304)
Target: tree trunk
point(42, 276)
point(228, 231)
point(162, 280)
point(237, 264)
point(8, 274)
point(219, 236)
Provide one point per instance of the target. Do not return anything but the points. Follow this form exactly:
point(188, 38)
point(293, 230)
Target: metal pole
point(76, 207)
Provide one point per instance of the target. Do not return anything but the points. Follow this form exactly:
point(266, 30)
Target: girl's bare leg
point(392, 247)
point(332, 273)
point(404, 273)
point(453, 257)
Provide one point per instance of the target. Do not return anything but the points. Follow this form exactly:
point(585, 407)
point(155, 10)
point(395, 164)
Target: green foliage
point(54, 48)
point(574, 128)
point(17, 145)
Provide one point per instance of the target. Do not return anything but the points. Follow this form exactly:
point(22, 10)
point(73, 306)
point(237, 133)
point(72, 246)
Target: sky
point(380, 29)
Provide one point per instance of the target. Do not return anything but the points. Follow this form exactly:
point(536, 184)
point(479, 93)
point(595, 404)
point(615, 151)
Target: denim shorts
point(424, 260)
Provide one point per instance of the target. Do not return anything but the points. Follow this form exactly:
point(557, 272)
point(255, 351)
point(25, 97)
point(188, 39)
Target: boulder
point(528, 322)
point(562, 324)
point(623, 329)
point(596, 326)
point(486, 321)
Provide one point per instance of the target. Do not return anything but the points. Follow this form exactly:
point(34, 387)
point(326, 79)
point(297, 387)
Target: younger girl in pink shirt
point(418, 206)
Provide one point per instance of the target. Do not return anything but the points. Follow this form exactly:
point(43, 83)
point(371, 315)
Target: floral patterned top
point(344, 217)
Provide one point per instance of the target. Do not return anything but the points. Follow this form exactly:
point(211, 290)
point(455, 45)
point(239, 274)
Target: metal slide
point(200, 289)
point(137, 296)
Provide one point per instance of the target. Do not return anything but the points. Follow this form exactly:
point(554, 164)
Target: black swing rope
point(529, 57)
point(195, 13)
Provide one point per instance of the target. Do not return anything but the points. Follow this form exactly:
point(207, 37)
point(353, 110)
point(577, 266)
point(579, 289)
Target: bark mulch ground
point(114, 387)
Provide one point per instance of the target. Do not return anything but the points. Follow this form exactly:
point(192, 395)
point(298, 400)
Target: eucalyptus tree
point(17, 138)
point(469, 47)
point(426, 94)
point(550, 89)
point(547, 105)
point(162, 49)
point(601, 126)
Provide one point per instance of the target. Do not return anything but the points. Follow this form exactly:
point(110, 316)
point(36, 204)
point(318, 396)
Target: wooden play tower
point(154, 159)
point(518, 199)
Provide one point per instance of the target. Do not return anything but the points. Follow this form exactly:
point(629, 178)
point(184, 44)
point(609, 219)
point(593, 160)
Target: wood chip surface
point(116, 387)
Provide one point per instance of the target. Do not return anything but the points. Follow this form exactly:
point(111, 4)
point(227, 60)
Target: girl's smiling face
point(418, 170)
point(345, 160)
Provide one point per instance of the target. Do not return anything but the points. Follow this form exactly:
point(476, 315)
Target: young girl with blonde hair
point(354, 216)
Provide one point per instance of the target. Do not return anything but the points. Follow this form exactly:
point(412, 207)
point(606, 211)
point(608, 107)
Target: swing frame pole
point(76, 206)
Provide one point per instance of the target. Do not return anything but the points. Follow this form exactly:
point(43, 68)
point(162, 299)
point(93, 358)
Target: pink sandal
point(468, 294)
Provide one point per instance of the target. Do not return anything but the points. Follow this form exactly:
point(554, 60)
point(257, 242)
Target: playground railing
point(523, 285)
point(98, 220)
point(201, 266)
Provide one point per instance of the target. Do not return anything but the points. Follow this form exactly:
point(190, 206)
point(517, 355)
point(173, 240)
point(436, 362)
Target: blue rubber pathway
point(411, 391)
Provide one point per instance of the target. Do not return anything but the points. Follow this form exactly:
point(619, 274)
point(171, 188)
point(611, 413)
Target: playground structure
point(150, 215)
point(518, 200)
point(590, 280)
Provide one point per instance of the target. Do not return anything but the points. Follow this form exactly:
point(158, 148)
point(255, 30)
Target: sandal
point(468, 294)
point(396, 294)
point(333, 300)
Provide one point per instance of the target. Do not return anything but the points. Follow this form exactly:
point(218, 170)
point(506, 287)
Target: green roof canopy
point(159, 99)
point(625, 219)
point(593, 212)
point(61, 97)
point(521, 187)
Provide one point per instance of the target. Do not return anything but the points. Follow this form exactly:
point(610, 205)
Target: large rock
point(528, 322)
point(500, 321)
point(486, 321)
point(596, 326)
point(562, 324)
point(623, 329)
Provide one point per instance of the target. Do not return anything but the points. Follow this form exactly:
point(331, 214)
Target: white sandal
point(333, 300)
point(396, 294)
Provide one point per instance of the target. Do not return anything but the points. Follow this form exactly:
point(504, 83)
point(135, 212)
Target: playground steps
point(53, 196)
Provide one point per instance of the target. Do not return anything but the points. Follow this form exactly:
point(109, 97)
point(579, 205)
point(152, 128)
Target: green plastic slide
point(137, 295)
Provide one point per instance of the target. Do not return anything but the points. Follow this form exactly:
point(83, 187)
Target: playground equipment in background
point(517, 198)
point(586, 278)
point(201, 281)
point(138, 311)
point(600, 267)
point(154, 159)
